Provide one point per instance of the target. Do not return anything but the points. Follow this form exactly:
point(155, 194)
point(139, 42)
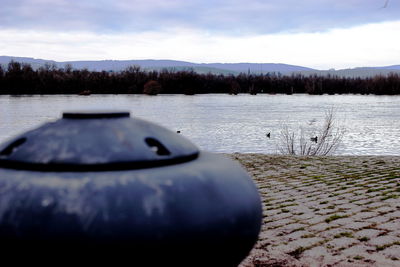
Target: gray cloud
point(231, 17)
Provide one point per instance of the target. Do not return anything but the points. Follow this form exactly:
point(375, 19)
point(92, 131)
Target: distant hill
point(173, 65)
point(203, 68)
point(35, 63)
point(259, 67)
point(354, 73)
point(393, 67)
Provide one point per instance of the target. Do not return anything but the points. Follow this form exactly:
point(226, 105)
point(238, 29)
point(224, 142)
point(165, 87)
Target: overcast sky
point(320, 34)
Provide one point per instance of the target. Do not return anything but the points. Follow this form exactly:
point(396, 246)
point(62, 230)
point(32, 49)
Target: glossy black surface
point(201, 211)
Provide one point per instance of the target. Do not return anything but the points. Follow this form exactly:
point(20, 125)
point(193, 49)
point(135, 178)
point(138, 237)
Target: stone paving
point(326, 211)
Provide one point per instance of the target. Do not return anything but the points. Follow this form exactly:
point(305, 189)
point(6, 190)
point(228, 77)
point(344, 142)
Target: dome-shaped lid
point(96, 141)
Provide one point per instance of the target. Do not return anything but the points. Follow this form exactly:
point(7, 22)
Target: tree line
point(20, 78)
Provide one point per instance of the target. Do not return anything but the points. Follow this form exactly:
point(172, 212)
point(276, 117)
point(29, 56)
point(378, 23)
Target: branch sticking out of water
point(302, 141)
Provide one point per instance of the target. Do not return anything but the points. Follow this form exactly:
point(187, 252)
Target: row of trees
point(19, 78)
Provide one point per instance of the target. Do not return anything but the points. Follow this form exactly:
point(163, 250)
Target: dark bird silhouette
point(314, 139)
point(386, 4)
point(178, 131)
point(268, 135)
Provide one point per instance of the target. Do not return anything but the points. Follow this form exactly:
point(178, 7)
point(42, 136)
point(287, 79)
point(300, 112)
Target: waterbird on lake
point(312, 121)
point(268, 135)
point(314, 139)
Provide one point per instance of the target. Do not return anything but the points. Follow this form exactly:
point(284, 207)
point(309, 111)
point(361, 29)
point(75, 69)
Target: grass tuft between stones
point(335, 217)
point(363, 239)
point(344, 234)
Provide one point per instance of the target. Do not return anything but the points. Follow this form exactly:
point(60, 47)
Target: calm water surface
point(224, 123)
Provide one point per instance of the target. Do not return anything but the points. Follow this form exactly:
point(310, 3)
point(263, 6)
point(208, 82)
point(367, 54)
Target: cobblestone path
point(326, 211)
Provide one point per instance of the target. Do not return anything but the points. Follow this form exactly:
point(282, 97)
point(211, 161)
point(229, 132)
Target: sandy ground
point(326, 211)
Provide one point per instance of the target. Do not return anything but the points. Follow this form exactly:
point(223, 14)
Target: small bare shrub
point(311, 141)
point(152, 88)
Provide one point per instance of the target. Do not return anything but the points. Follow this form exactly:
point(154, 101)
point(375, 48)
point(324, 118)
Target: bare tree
point(311, 141)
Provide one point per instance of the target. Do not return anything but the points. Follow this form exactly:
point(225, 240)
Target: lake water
point(225, 123)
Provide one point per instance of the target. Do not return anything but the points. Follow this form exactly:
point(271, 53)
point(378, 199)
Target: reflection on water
point(224, 123)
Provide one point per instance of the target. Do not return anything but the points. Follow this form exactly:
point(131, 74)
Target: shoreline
point(326, 211)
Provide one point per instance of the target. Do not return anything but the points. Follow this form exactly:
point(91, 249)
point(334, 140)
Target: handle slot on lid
point(157, 147)
point(12, 147)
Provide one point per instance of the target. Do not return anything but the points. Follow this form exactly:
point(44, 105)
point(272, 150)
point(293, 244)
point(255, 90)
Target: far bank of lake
point(226, 123)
